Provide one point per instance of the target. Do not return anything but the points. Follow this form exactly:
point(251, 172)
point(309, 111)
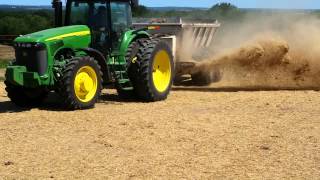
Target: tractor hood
point(55, 34)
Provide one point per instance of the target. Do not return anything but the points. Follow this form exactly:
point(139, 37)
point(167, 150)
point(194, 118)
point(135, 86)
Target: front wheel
point(156, 71)
point(81, 83)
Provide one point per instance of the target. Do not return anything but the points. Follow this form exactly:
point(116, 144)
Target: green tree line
point(27, 21)
point(24, 21)
point(221, 11)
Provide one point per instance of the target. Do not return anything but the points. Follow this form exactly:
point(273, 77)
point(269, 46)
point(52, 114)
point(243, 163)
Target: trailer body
point(178, 31)
point(185, 37)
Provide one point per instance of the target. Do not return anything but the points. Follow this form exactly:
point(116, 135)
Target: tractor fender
point(128, 38)
point(101, 61)
point(131, 36)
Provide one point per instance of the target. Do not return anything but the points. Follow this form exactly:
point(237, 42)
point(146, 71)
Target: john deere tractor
point(92, 47)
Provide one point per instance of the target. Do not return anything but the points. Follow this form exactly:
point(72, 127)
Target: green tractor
point(92, 47)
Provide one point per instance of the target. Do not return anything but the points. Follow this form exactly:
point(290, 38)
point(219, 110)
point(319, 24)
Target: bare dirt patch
point(2, 73)
point(6, 52)
point(196, 133)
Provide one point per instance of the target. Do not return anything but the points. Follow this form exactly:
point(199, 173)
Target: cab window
point(121, 20)
point(79, 13)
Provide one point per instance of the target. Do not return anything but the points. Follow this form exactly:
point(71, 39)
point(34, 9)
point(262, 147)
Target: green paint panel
point(73, 38)
point(55, 39)
point(18, 75)
point(43, 36)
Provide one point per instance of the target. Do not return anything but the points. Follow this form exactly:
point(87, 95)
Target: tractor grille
point(33, 56)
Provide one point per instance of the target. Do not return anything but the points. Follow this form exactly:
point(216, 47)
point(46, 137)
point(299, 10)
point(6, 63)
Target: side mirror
point(134, 3)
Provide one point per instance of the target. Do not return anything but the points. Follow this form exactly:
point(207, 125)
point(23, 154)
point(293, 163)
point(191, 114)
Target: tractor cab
point(107, 20)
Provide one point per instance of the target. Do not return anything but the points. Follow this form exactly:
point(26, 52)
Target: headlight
point(29, 45)
point(26, 45)
point(40, 45)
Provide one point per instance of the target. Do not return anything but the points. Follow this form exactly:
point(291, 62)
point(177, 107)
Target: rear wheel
point(156, 71)
point(81, 83)
point(25, 97)
point(132, 66)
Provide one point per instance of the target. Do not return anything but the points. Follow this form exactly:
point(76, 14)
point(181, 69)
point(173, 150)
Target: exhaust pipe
point(134, 3)
point(57, 5)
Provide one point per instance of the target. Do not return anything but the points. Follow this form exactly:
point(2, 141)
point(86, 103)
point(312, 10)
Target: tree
point(140, 11)
point(12, 26)
point(23, 25)
point(224, 7)
point(225, 12)
point(37, 23)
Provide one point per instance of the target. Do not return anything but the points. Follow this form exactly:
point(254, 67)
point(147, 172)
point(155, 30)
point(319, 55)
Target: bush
point(4, 63)
point(140, 11)
point(225, 12)
point(223, 7)
point(24, 22)
point(12, 25)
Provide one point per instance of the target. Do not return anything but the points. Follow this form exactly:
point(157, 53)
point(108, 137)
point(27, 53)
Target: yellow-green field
point(195, 134)
point(6, 52)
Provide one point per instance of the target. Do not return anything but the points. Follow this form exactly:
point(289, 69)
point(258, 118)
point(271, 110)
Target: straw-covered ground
point(6, 52)
point(195, 134)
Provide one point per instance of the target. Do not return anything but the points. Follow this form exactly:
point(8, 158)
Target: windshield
point(107, 28)
point(93, 14)
point(121, 16)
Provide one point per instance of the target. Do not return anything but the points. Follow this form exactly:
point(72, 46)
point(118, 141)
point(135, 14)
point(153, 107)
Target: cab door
point(100, 27)
point(94, 14)
point(121, 21)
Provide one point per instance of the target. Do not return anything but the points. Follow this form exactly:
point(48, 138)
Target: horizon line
point(264, 8)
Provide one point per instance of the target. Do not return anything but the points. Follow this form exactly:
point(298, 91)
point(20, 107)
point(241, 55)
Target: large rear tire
point(81, 83)
point(25, 97)
point(156, 71)
point(132, 66)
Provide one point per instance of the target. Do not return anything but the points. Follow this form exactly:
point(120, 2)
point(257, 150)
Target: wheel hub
point(85, 84)
point(161, 71)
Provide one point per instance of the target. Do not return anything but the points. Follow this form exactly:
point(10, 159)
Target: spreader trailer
point(183, 36)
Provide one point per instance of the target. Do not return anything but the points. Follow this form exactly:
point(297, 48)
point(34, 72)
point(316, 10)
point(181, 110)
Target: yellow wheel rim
point(86, 84)
point(161, 71)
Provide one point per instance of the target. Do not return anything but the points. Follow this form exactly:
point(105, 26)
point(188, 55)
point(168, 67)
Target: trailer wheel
point(201, 79)
point(156, 71)
point(25, 97)
point(81, 83)
point(206, 78)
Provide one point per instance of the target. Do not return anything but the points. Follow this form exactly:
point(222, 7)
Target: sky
point(282, 4)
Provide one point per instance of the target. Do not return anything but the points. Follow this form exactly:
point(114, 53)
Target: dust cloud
point(276, 51)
